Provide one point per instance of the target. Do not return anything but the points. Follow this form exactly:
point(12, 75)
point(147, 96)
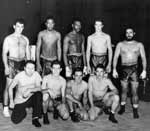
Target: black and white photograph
point(74, 65)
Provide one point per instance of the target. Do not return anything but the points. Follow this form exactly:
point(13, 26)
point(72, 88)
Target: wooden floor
point(126, 122)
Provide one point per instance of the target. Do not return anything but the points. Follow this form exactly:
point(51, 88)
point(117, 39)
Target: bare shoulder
point(62, 79)
point(84, 83)
point(41, 33)
point(140, 44)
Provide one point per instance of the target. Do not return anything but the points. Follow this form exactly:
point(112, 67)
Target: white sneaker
point(6, 112)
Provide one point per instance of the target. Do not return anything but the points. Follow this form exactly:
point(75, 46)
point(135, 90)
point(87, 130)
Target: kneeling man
point(53, 88)
point(28, 94)
point(101, 90)
point(76, 94)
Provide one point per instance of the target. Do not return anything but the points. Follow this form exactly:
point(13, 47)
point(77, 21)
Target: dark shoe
point(112, 118)
point(75, 117)
point(135, 113)
point(45, 119)
point(122, 110)
point(55, 114)
point(36, 123)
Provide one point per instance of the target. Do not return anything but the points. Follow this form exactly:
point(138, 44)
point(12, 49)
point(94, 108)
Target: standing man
point(28, 94)
point(48, 47)
point(53, 88)
point(15, 52)
point(97, 46)
point(73, 49)
point(129, 50)
point(76, 94)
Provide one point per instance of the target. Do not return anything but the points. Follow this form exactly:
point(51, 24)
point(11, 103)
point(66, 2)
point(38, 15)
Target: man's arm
point(59, 47)
point(90, 92)
point(63, 90)
point(38, 49)
point(65, 50)
point(85, 98)
point(143, 56)
point(83, 51)
point(28, 55)
point(109, 46)
point(4, 55)
point(11, 87)
point(112, 87)
point(88, 51)
point(116, 56)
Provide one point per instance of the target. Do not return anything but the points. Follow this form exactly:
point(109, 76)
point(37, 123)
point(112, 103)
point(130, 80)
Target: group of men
point(41, 86)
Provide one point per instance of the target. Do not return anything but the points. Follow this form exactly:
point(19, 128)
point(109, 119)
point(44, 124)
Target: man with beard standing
point(129, 50)
point(73, 49)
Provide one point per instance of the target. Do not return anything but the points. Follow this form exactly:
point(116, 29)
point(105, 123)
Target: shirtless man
point(15, 52)
point(76, 94)
point(28, 94)
point(48, 47)
point(97, 46)
point(98, 94)
point(53, 88)
point(129, 50)
point(73, 49)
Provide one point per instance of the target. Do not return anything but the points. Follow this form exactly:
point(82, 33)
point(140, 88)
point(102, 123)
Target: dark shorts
point(129, 73)
point(46, 66)
point(57, 101)
point(96, 59)
point(75, 61)
point(15, 67)
point(99, 103)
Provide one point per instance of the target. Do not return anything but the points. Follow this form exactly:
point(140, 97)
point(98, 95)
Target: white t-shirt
point(24, 82)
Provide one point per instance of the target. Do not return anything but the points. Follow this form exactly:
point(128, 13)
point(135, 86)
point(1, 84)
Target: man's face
point(18, 27)
point(129, 34)
point(78, 76)
point(29, 69)
point(50, 24)
point(100, 72)
point(56, 69)
point(77, 26)
point(98, 26)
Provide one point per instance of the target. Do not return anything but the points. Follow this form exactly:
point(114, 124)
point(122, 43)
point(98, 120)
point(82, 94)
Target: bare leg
point(124, 84)
point(135, 99)
point(45, 107)
point(6, 98)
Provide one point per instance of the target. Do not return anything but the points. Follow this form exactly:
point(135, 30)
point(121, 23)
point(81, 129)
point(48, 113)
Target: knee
point(45, 97)
point(116, 99)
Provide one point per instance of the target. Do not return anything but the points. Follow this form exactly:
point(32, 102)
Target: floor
point(126, 122)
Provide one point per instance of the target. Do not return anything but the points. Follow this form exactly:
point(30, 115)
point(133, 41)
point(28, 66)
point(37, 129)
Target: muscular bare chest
point(75, 43)
point(130, 49)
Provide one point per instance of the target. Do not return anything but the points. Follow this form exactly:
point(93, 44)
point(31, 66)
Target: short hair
point(29, 62)
point(49, 17)
point(56, 62)
point(78, 69)
point(19, 20)
point(100, 66)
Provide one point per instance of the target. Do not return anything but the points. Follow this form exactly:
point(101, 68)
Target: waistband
point(48, 59)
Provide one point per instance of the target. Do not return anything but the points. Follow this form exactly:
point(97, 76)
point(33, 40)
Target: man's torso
point(129, 53)
point(49, 44)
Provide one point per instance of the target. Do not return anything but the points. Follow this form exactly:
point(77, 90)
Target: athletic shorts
point(96, 59)
point(75, 61)
point(15, 67)
point(129, 73)
point(46, 66)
